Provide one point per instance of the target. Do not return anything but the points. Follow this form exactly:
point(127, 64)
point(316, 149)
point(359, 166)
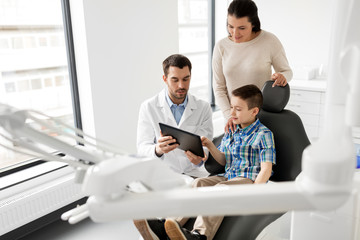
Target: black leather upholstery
point(275, 98)
point(289, 133)
point(211, 165)
point(290, 141)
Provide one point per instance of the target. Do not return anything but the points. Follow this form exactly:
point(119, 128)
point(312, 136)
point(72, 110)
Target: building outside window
point(33, 64)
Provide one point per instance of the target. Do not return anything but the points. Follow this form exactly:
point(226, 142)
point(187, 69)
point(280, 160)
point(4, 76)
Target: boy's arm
point(265, 172)
point(267, 158)
point(216, 153)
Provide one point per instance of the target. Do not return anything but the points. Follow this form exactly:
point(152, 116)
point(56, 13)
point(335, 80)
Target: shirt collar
point(170, 103)
point(248, 129)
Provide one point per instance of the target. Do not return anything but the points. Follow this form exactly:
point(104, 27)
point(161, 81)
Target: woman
point(246, 56)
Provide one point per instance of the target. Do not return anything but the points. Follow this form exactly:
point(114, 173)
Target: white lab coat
point(197, 118)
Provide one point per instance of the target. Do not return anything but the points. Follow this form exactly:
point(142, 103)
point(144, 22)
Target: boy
point(247, 153)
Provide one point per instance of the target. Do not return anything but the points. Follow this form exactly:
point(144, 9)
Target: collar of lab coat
point(190, 107)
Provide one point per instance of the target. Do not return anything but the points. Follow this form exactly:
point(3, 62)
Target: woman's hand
point(230, 125)
point(280, 80)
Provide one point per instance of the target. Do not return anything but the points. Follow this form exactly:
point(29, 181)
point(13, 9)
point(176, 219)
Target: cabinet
point(307, 99)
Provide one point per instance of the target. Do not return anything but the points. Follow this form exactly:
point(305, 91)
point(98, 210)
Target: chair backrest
point(289, 133)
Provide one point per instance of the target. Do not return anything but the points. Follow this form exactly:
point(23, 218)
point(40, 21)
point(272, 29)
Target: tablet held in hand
point(187, 141)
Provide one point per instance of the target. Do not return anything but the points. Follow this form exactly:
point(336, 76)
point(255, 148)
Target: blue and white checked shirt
point(246, 148)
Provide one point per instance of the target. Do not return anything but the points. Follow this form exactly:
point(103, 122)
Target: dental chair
point(290, 141)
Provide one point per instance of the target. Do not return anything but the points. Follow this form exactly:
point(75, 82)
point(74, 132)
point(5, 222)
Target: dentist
point(176, 107)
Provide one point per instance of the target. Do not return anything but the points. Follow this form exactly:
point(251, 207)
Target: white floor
point(86, 230)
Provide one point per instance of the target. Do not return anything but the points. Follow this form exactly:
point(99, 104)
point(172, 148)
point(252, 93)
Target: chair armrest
point(213, 167)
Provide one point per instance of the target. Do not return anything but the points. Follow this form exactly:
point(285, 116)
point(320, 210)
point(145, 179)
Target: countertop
point(309, 85)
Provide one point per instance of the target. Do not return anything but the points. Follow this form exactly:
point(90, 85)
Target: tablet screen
point(187, 141)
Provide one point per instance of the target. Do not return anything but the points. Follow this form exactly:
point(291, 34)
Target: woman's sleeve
point(219, 83)
point(280, 62)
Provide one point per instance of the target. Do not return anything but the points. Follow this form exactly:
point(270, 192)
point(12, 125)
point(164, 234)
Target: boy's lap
point(208, 181)
point(220, 180)
point(238, 180)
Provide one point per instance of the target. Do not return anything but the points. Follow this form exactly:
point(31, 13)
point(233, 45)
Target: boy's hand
point(216, 154)
point(195, 159)
point(206, 142)
point(163, 145)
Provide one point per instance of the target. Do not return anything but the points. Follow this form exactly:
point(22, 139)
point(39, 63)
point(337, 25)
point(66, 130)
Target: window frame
point(211, 44)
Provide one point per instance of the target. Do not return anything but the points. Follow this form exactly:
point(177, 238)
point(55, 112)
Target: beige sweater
point(237, 64)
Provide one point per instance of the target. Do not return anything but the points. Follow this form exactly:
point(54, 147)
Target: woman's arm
point(219, 83)
point(279, 60)
point(281, 66)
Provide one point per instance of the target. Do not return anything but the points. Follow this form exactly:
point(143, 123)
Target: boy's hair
point(251, 94)
point(175, 60)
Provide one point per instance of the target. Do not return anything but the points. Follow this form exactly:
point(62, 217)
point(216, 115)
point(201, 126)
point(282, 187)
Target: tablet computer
point(187, 141)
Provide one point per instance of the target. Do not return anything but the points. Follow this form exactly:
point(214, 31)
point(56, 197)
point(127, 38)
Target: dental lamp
point(111, 178)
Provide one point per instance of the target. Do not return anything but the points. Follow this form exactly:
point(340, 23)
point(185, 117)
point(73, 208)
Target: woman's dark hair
point(175, 60)
point(245, 8)
point(251, 94)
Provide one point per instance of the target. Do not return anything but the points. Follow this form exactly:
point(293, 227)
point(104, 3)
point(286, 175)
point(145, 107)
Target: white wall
point(120, 46)
point(303, 27)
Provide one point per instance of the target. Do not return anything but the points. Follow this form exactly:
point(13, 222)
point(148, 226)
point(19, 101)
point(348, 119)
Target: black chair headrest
point(275, 98)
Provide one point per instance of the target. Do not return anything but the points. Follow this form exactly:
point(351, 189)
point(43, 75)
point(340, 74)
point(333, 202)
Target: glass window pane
point(193, 11)
point(193, 43)
point(10, 87)
point(34, 68)
point(193, 39)
point(4, 43)
point(23, 85)
point(36, 84)
point(199, 76)
point(48, 82)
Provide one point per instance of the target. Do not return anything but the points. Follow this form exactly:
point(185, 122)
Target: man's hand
point(195, 159)
point(163, 145)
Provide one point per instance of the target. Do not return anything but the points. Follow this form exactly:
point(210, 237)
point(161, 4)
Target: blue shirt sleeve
point(267, 152)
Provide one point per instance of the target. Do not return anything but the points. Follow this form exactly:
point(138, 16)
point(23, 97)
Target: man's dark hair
point(251, 94)
point(245, 8)
point(175, 60)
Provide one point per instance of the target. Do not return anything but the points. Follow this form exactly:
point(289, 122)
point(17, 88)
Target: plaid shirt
point(246, 148)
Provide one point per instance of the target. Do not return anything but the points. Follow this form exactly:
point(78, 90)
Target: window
point(37, 71)
point(34, 72)
point(194, 38)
